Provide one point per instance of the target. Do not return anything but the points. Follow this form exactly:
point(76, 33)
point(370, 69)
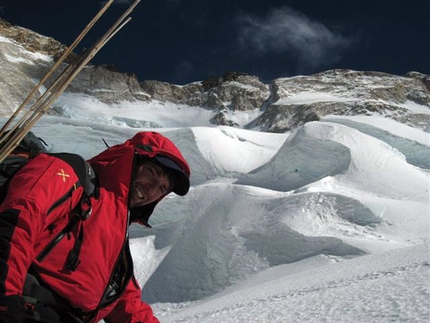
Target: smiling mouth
point(138, 192)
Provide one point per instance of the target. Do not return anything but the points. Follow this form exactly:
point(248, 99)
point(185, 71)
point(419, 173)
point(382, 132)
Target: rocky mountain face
point(284, 104)
point(346, 92)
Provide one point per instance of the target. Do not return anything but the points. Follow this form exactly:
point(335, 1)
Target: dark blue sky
point(181, 41)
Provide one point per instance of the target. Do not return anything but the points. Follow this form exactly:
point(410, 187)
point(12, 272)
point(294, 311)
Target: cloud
point(286, 31)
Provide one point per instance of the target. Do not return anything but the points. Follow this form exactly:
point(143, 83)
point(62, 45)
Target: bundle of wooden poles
point(13, 131)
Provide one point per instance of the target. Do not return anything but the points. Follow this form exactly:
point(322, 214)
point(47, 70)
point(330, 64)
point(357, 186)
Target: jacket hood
point(114, 167)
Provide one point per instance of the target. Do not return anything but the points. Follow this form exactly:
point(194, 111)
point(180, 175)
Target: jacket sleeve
point(32, 193)
point(130, 308)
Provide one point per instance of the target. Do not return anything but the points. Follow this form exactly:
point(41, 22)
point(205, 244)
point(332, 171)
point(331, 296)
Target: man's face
point(150, 184)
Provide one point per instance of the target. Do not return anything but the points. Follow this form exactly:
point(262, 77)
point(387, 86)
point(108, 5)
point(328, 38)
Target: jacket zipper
point(108, 288)
point(64, 198)
point(48, 248)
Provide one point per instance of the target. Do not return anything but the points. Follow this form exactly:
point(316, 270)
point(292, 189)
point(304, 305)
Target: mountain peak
point(282, 105)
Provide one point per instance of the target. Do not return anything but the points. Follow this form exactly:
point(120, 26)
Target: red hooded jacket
point(38, 206)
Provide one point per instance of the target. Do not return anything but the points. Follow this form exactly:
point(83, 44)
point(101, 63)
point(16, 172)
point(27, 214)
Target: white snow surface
point(329, 223)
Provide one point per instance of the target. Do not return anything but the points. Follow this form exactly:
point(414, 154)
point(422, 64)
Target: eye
point(155, 170)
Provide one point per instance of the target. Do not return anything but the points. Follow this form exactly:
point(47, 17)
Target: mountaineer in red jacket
point(83, 266)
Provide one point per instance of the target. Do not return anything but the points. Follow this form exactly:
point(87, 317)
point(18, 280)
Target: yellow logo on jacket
point(63, 175)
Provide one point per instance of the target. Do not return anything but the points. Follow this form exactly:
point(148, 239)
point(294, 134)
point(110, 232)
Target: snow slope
point(388, 287)
point(329, 223)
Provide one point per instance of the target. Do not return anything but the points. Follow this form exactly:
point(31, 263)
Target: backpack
point(35, 294)
point(31, 146)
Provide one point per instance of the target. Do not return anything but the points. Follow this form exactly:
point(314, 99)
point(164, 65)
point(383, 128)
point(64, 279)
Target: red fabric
point(130, 308)
point(45, 180)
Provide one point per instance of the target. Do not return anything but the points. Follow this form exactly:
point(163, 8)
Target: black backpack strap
point(12, 165)
point(8, 168)
point(83, 170)
point(32, 288)
point(82, 210)
point(36, 292)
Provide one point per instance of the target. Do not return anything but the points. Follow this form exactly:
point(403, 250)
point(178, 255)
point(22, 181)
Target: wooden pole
point(15, 135)
point(55, 67)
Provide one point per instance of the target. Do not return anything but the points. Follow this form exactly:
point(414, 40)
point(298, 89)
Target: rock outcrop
point(282, 105)
point(297, 100)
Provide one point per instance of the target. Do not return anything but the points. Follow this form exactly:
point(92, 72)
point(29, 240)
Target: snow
point(388, 125)
point(130, 114)
point(417, 108)
point(388, 288)
point(32, 56)
point(329, 223)
point(217, 145)
point(308, 97)
point(5, 40)
point(16, 59)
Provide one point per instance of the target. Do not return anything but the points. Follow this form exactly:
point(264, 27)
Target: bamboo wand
point(54, 67)
point(89, 55)
point(58, 87)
